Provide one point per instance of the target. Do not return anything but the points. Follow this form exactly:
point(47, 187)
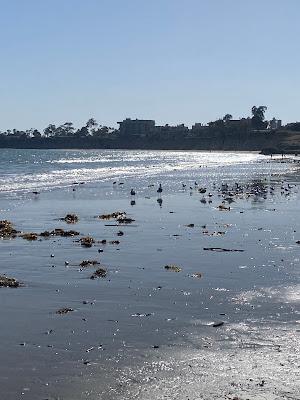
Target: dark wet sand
point(143, 331)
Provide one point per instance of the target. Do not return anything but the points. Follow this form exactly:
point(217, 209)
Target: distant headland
point(253, 133)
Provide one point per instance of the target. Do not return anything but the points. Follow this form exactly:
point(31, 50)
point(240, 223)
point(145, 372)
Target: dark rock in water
point(9, 282)
point(99, 273)
point(64, 310)
point(217, 324)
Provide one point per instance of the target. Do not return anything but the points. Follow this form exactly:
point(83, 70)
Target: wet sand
point(144, 331)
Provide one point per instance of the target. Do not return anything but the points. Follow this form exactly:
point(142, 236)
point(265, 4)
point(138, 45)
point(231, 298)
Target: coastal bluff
point(268, 142)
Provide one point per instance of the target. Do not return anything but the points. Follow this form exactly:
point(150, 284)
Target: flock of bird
point(228, 192)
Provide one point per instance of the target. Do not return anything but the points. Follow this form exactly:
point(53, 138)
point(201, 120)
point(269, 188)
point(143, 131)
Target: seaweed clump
point(9, 282)
point(7, 230)
point(114, 215)
point(70, 218)
point(87, 241)
point(64, 310)
point(59, 232)
point(29, 236)
point(88, 263)
point(173, 268)
point(99, 273)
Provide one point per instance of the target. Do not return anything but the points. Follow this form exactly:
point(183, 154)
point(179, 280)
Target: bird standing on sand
point(132, 192)
point(159, 190)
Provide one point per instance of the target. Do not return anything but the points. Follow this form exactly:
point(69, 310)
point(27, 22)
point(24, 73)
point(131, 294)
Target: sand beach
point(191, 293)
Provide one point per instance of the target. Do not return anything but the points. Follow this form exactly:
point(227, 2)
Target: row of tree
point(93, 129)
point(90, 129)
point(257, 121)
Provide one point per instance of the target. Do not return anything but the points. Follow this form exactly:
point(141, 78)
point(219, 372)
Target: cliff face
point(275, 141)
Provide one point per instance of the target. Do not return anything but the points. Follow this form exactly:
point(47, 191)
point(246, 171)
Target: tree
point(82, 132)
point(36, 134)
point(29, 132)
point(91, 125)
point(227, 117)
point(67, 129)
point(217, 125)
point(258, 117)
point(50, 130)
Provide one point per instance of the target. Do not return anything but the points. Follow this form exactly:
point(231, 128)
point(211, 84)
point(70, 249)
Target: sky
point(175, 61)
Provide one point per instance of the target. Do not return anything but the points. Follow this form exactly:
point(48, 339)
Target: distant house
point(275, 124)
point(136, 127)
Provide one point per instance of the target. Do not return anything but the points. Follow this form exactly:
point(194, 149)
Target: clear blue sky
point(169, 60)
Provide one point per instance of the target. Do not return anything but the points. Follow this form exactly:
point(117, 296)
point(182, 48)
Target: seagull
point(159, 190)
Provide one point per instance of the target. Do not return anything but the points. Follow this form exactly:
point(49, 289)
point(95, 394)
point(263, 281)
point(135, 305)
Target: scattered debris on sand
point(173, 267)
point(142, 315)
point(88, 263)
point(221, 249)
point(64, 310)
point(7, 231)
point(9, 282)
point(99, 273)
point(70, 218)
point(125, 220)
point(114, 242)
point(219, 233)
point(196, 275)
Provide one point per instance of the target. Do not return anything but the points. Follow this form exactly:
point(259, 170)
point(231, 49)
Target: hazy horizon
point(166, 60)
